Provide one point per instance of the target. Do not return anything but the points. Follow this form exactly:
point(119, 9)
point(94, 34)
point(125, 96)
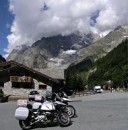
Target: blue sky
point(5, 23)
point(34, 19)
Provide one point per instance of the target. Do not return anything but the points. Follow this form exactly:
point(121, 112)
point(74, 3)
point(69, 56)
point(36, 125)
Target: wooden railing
point(20, 79)
point(82, 93)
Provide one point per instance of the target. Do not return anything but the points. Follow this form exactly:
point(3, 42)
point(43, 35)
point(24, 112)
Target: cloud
point(34, 19)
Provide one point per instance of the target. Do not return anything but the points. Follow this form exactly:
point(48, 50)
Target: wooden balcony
point(20, 79)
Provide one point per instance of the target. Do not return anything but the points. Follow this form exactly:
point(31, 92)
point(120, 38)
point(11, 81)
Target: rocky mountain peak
point(104, 45)
point(52, 52)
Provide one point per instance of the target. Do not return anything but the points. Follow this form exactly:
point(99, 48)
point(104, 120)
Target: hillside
point(104, 45)
point(2, 59)
point(113, 66)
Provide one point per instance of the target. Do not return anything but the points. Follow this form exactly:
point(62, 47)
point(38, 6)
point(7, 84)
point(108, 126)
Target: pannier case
point(21, 113)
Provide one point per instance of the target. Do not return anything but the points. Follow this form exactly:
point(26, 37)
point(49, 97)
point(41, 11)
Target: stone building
point(17, 79)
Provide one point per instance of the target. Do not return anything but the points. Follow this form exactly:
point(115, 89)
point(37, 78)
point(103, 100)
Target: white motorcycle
point(41, 112)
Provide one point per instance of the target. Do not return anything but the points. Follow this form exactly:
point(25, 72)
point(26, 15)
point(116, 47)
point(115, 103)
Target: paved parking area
point(108, 111)
point(102, 96)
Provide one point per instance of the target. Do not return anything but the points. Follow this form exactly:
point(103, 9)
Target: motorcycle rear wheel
point(25, 124)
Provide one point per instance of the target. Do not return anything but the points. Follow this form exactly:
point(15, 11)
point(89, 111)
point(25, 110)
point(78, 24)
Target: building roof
point(55, 73)
point(12, 65)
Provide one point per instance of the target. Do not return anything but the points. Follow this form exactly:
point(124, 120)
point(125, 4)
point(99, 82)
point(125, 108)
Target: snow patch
point(69, 52)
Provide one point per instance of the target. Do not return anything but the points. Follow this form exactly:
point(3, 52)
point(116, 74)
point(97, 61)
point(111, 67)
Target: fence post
point(79, 93)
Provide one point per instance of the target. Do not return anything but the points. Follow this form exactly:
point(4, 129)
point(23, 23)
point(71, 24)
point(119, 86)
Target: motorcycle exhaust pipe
point(39, 120)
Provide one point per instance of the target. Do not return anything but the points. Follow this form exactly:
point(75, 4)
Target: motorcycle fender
point(21, 113)
point(66, 99)
point(60, 103)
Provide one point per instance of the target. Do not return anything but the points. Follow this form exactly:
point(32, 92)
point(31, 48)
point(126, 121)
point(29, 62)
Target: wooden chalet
point(15, 76)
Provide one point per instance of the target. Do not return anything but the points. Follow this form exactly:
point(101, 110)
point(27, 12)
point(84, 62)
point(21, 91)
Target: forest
point(113, 66)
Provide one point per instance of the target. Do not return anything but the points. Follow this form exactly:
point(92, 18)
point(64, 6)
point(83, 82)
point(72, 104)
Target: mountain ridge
point(53, 52)
point(60, 52)
point(104, 45)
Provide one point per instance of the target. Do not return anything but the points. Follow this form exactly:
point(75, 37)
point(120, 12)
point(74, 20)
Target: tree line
point(113, 66)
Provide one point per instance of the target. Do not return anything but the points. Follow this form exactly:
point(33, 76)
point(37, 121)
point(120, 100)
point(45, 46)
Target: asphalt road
point(108, 111)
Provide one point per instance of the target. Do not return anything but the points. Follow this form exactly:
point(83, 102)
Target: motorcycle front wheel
point(63, 119)
point(71, 111)
point(25, 124)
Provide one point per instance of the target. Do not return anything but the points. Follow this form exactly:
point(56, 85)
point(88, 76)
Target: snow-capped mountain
point(104, 45)
point(53, 53)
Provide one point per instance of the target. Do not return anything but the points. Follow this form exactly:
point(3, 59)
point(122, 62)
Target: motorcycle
point(62, 97)
point(41, 113)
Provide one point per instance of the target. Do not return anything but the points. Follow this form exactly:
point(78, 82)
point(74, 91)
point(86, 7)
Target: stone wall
point(9, 90)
